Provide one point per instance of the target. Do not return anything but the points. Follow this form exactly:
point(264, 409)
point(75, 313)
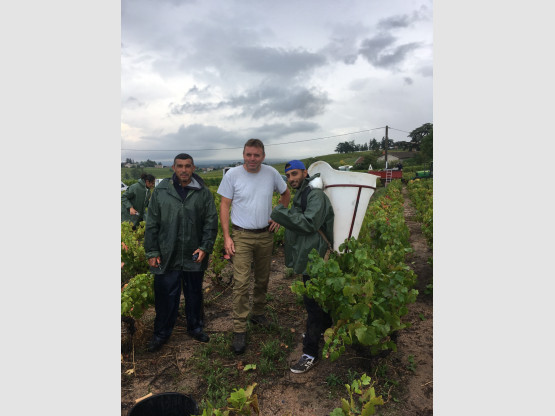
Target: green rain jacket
point(175, 228)
point(301, 229)
point(136, 196)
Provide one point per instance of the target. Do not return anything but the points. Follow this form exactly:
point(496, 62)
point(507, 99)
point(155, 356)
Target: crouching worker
point(180, 231)
point(310, 215)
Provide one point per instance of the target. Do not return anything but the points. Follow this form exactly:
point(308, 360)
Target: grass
point(411, 365)
point(333, 381)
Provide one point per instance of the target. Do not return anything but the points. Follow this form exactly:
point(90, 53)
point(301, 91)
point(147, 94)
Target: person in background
point(180, 231)
point(400, 166)
point(248, 190)
point(308, 225)
point(134, 200)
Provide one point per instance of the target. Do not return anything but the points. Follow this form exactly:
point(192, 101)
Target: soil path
point(404, 378)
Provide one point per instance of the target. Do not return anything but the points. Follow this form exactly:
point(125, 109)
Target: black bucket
point(165, 404)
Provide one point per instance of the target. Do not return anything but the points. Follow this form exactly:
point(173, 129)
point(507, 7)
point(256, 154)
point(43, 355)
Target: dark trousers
point(167, 292)
point(316, 323)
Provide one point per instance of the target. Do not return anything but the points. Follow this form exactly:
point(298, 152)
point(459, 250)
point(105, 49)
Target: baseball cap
point(294, 164)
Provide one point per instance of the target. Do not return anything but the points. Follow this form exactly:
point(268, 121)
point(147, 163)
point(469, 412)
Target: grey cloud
point(265, 101)
point(343, 43)
point(197, 136)
point(371, 48)
point(278, 130)
point(376, 51)
point(350, 59)
point(397, 56)
point(404, 20)
point(189, 108)
point(278, 101)
point(408, 80)
point(395, 22)
point(133, 102)
point(198, 92)
point(277, 61)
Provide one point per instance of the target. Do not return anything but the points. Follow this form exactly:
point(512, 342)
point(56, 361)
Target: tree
point(390, 143)
point(427, 146)
point(346, 147)
point(374, 145)
point(418, 134)
point(367, 161)
point(149, 163)
point(404, 145)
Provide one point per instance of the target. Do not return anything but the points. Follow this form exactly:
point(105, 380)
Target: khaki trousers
point(250, 247)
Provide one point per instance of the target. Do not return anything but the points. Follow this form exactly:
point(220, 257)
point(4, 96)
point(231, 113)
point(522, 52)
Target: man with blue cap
point(308, 224)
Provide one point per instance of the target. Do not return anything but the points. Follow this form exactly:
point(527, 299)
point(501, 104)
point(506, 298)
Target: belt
point(256, 230)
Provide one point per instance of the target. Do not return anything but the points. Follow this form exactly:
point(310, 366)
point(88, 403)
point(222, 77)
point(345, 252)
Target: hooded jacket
point(301, 229)
point(136, 196)
point(175, 228)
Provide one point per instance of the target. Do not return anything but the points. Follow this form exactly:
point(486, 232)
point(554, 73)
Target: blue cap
point(294, 164)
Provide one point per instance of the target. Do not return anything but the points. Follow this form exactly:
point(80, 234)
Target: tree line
point(421, 139)
point(143, 164)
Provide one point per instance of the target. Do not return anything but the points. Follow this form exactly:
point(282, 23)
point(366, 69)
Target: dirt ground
point(404, 378)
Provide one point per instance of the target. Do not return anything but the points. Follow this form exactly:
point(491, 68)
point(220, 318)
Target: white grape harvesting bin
point(349, 194)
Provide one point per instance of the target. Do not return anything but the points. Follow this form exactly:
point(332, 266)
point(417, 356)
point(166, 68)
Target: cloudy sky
point(205, 76)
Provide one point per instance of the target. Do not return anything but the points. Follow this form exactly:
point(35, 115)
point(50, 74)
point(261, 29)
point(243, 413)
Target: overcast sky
point(203, 75)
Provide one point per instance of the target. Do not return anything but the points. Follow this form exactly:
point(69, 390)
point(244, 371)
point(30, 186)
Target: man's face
point(295, 177)
point(253, 158)
point(184, 169)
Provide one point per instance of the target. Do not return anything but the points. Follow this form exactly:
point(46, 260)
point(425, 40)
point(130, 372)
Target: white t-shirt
point(251, 194)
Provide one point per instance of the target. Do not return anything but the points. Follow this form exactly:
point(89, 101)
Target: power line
point(266, 145)
point(391, 128)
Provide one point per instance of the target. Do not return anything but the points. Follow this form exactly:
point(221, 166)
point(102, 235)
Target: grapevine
point(367, 288)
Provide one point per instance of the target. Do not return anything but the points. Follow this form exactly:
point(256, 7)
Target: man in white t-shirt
point(248, 190)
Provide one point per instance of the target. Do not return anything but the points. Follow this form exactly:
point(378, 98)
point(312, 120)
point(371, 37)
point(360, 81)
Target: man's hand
point(201, 255)
point(133, 211)
point(274, 226)
point(154, 261)
point(229, 246)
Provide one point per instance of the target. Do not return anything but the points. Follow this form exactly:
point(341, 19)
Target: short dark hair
point(183, 156)
point(254, 143)
point(148, 177)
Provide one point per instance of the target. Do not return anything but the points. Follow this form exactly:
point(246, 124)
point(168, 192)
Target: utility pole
point(386, 146)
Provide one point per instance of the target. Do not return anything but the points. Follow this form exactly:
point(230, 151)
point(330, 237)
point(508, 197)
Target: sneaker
point(239, 343)
point(260, 320)
point(304, 364)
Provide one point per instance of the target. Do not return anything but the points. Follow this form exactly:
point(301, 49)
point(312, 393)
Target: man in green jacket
point(180, 232)
point(135, 199)
point(310, 214)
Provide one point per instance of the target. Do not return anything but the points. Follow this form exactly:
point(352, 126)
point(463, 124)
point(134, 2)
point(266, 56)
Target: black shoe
point(155, 344)
point(239, 342)
point(260, 320)
point(199, 336)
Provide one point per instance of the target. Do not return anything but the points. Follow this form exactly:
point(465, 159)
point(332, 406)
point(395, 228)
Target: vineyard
point(377, 355)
